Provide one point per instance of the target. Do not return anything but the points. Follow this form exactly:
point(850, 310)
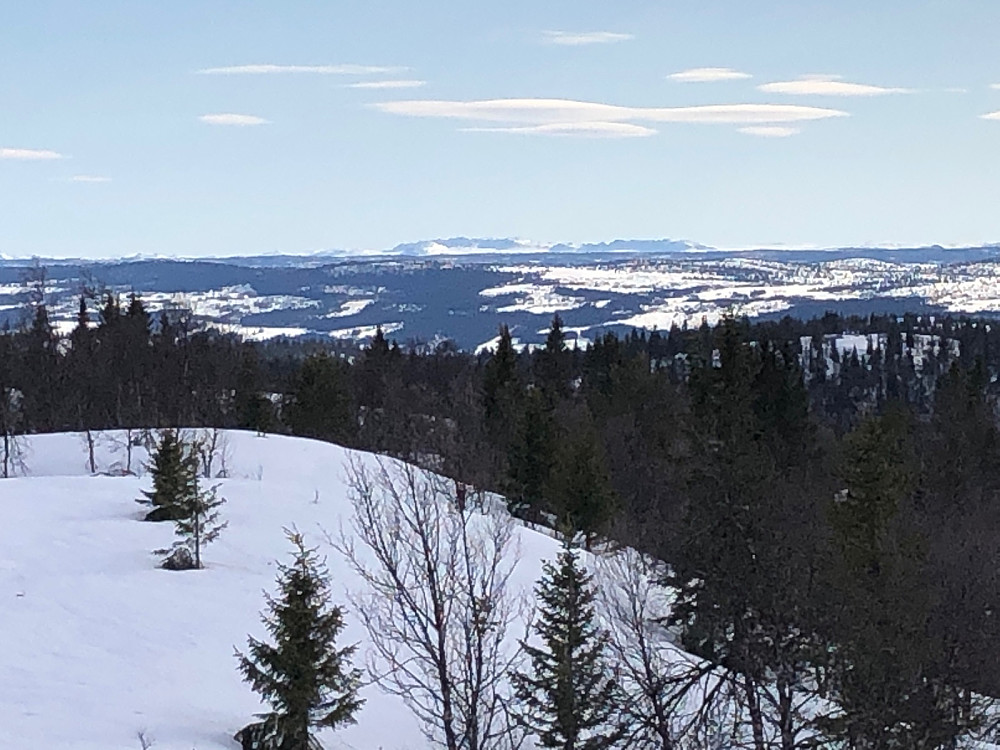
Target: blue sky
point(200, 128)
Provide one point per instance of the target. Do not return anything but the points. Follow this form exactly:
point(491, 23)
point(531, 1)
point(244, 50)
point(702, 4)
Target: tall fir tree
point(554, 364)
point(742, 554)
point(531, 456)
point(502, 392)
point(307, 681)
point(579, 490)
point(175, 479)
point(321, 407)
point(568, 696)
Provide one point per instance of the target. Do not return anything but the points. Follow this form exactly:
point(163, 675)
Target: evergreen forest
point(827, 513)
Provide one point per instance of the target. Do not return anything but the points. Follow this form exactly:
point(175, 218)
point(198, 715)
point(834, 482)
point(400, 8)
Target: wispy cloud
point(29, 154)
point(88, 178)
point(823, 85)
point(228, 118)
point(530, 112)
point(708, 75)
point(770, 131)
point(578, 129)
point(579, 38)
point(991, 116)
point(995, 85)
point(387, 84)
point(266, 68)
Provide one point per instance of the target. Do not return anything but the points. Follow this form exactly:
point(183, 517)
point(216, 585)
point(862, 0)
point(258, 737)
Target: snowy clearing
point(101, 644)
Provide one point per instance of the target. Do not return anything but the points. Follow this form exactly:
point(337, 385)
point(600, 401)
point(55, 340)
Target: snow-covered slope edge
point(100, 643)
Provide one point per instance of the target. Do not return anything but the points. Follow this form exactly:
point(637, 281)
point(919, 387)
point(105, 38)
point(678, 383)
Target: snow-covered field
point(100, 644)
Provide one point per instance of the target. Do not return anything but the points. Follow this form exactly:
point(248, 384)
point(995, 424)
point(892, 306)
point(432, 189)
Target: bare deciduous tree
point(673, 701)
point(121, 444)
point(634, 606)
point(438, 603)
point(213, 446)
point(12, 449)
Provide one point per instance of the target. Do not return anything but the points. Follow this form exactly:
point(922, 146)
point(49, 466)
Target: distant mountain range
point(464, 288)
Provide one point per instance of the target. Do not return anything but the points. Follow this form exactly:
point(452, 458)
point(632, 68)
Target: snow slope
point(99, 644)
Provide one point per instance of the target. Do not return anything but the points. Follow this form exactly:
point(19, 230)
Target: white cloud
point(579, 129)
point(578, 38)
point(386, 84)
point(708, 75)
point(29, 154)
point(88, 178)
point(228, 118)
point(352, 70)
point(553, 111)
point(991, 116)
point(827, 86)
point(995, 85)
point(770, 131)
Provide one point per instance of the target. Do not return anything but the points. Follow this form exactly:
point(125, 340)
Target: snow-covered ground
point(100, 644)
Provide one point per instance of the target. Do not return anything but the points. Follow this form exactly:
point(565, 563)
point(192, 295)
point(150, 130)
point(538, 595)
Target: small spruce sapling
point(568, 698)
point(198, 523)
point(307, 681)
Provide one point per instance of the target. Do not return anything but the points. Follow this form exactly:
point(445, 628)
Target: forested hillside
point(826, 493)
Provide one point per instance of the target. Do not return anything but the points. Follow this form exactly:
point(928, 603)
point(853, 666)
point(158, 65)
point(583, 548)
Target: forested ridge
point(830, 515)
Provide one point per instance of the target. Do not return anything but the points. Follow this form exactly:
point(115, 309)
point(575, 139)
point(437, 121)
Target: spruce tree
point(303, 676)
point(321, 407)
point(530, 457)
point(199, 523)
point(502, 392)
point(568, 696)
point(579, 489)
point(175, 471)
point(554, 363)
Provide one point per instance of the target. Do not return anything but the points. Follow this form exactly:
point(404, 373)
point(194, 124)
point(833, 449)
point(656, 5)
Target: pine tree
point(175, 472)
point(553, 364)
point(501, 392)
point(568, 697)
point(199, 523)
point(579, 489)
point(305, 678)
point(322, 407)
point(530, 457)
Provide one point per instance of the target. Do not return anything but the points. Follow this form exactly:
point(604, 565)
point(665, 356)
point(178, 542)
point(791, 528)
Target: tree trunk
point(90, 452)
point(785, 718)
point(756, 716)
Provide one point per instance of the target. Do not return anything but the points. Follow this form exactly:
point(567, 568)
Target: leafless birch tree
point(438, 602)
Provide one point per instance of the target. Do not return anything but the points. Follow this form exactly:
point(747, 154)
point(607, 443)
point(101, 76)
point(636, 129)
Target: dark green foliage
point(744, 557)
point(881, 679)
point(531, 456)
point(253, 408)
point(911, 632)
point(578, 491)
point(321, 405)
point(879, 471)
point(554, 364)
point(175, 484)
point(568, 696)
point(502, 393)
point(306, 680)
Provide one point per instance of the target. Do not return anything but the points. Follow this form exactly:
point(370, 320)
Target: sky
point(202, 127)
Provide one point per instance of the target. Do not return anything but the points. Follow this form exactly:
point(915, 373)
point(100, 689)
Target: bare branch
point(437, 601)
